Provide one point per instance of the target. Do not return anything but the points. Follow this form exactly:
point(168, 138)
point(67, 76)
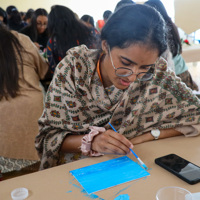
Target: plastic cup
point(19, 194)
point(173, 193)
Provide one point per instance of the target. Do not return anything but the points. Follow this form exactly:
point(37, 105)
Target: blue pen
point(143, 165)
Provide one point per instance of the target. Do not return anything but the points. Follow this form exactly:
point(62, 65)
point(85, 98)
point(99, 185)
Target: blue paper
point(109, 173)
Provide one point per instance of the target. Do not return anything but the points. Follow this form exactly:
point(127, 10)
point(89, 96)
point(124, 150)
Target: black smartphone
point(180, 167)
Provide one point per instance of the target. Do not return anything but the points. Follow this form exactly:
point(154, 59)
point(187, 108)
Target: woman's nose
point(132, 77)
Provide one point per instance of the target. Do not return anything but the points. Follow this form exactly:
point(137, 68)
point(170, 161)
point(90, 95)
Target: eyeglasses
point(40, 25)
point(125, 72)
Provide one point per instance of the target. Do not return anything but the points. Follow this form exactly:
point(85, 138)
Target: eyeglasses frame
point(139, 79)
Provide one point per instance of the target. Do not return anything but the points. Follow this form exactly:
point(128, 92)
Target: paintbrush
point(140, 161)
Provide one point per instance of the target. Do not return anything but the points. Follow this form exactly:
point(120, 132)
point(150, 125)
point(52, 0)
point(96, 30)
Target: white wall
point(187, 15)
point(94, 8)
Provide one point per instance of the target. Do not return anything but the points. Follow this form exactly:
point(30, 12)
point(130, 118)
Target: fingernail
point(131, 147)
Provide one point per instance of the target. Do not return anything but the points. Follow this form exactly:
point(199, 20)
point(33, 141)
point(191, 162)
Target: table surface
point(58, 183)
point(191, 53)
point(194, 69)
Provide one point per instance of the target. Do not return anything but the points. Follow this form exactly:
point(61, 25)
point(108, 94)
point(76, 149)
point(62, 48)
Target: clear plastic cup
point(19, 194)
point(173, 193)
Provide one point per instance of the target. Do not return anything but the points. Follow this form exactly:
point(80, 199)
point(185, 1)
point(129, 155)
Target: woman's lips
point(125, 83)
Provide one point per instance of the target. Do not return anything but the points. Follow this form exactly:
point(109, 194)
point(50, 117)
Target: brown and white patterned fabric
point(76, 99)
point(10, 164)
point(187, 79)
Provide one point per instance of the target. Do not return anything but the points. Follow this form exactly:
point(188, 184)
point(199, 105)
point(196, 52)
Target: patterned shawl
point(76, 99)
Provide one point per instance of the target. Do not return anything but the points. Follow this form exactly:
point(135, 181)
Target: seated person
point(106, 15)
point(65, 31)
point(14, 18)
point(126, 83)
point(28, 16)
point(175, 46)
point(37, 29)
point(89, 21)
point(21, 100)
point(3, 16)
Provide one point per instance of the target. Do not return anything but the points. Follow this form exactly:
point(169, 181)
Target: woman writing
point(126, 83)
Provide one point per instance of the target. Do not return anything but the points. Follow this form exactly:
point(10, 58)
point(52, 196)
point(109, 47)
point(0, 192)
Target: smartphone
point(180, 167)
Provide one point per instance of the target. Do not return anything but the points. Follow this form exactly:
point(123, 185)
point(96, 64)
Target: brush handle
point(112, 127)
point(130, 149)
point(134, 153)
point(143, 165)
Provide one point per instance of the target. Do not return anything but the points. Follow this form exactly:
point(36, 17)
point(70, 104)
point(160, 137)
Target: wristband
point(86, 141)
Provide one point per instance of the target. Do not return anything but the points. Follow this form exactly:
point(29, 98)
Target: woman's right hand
point(110, 142)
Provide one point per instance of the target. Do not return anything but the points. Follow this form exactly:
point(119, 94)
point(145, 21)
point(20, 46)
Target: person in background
point(37, 29)
point(126, 83)
point(88, 20)
point(122, 3)
point(65, 31)
point(175, 46)
point(28, 16)
point(106, 15)
point(22, 14)
point(3, 16)
point(14, 18)
point(21, 101)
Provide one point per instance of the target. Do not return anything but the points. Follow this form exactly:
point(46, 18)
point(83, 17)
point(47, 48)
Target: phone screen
point(180, 167)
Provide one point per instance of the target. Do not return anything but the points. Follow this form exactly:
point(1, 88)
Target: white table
point(58, 184)
point(191, 53)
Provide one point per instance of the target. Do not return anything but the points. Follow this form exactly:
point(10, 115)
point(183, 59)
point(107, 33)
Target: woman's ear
point(104, 46)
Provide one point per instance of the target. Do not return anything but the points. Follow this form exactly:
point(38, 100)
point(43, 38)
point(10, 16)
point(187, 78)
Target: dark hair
point(67, 30)
point(29, 14)
point(33, 24)
point(174, 40)
point(10, 55)
point(22, 14)
point(88, 18)
point(13, 15)
point(10, 9)
point(122, 3)
point(135, 24)
point(4, 15)
point(107, 14)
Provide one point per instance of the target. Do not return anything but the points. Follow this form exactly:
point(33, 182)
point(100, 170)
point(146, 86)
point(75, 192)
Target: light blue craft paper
point(109, 173)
